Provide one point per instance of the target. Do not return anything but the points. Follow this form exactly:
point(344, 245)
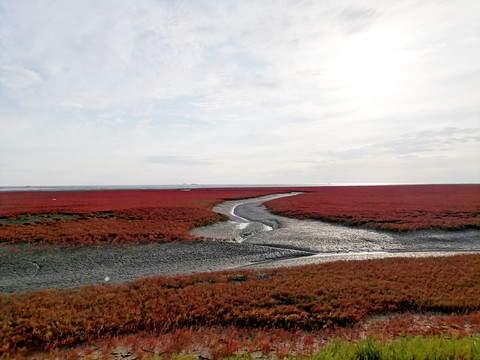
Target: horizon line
point(183, 186)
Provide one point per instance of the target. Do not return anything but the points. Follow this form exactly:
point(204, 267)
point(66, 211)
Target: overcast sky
point(120, 92)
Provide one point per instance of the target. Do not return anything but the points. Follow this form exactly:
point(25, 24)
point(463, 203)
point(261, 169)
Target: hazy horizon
point(239, 92)
point(197, 186)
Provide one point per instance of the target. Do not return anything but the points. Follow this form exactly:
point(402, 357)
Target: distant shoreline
point(194, 186)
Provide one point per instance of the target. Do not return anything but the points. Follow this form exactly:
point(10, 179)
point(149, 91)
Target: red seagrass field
point(89, 217)
point(398, 208)
point(269, 313)
point(276, 312)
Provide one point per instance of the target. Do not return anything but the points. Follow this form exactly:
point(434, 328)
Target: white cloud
point(17, 77)
point(72, 105)
point(174, 160)
point(250, 91)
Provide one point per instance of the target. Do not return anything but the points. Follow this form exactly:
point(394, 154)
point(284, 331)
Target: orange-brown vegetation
point(219, 342)
point(90, 217)
point(399, 208)
point(318, 299)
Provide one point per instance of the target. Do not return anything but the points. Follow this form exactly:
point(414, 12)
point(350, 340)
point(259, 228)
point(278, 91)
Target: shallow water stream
point(328, 242)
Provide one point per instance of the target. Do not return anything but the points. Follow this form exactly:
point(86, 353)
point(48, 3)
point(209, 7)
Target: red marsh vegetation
point(332, 298)
point(398, 208)
point(90, 217)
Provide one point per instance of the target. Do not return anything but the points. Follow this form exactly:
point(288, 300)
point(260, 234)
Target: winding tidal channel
point(258, 239)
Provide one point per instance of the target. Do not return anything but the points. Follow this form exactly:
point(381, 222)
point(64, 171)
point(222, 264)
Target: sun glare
point(368, 65)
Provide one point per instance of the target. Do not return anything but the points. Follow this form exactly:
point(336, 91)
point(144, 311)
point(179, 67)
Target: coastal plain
point(252, 237)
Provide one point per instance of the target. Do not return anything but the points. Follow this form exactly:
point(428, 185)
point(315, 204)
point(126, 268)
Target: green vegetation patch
point(402, 349)
point(437, 348)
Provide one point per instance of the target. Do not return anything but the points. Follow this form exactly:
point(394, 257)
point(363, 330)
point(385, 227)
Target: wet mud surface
point(27, 267)
point(258, 239)
point(250, 223)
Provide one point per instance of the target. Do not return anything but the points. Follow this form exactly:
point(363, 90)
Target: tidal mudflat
point(251, 223)
point(252, 238)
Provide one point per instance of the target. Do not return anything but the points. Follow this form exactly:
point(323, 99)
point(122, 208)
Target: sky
point(153, 92)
